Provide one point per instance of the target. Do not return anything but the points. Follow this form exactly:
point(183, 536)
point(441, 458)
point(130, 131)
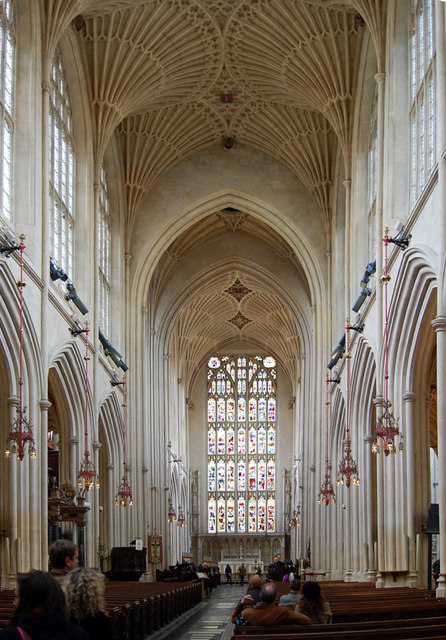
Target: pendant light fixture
point(87, 476)
point(20, 432)
point(326, 492)
point(387, 432)
point(124, 495)
point(348, 470)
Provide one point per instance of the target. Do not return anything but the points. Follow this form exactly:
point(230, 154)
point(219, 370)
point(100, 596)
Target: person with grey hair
point(266, 613)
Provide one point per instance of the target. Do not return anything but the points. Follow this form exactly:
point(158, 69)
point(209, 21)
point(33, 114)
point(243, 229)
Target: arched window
point(61, 171)
point(7, 79)
point(241, 444)
point(372, 170)
point(104, 255)
point(422, 96)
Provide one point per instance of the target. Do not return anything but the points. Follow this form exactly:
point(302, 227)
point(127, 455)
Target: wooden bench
point(361, 611)
point(139, 609)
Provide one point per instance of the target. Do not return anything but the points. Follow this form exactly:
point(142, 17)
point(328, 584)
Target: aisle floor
point(212, 618)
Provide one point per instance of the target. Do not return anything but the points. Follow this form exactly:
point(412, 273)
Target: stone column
point(380, 528)
point(367, 482)
point(439, 325)
point(408, 399)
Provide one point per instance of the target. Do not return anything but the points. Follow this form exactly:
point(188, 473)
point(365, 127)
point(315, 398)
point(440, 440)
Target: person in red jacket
point(266, 613)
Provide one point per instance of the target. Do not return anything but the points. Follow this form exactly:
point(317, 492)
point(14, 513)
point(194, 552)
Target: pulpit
point(127, 563)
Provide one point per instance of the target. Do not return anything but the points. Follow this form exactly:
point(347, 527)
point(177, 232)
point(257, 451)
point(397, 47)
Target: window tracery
point(61, 170)
point(422, 96)
point(104, 245)
point(241, 441)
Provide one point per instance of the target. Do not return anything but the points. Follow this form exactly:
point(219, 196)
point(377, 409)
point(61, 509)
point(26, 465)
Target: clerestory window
point(241, 444)
point(422, 96)
point(104, 245)
point(61, 172)
point(7, 82)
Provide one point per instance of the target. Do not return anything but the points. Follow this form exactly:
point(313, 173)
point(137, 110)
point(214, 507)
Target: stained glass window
point(241, 444)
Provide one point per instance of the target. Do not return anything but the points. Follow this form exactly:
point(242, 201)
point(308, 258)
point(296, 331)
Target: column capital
point(45, 404)
point(13, 401)
point(439, 323)
point(378, 401)
point(409, 396)
point(380, 77)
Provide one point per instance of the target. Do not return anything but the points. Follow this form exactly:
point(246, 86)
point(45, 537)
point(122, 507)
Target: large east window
point(61, 173)
point(241, 444)
point(422, 96)
point(7, 64)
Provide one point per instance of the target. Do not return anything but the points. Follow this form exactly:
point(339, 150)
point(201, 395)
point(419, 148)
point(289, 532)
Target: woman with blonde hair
point(84, 591)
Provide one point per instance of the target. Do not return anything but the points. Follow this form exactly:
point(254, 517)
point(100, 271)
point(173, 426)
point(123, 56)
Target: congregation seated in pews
point(361, 611)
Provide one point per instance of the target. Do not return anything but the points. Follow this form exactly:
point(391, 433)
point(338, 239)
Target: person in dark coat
point(242, 573)
point(228, 572)
point(40, 611)
point(84, 590)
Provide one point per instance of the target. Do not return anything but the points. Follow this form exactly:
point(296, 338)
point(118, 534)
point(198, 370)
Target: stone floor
point(210, 620)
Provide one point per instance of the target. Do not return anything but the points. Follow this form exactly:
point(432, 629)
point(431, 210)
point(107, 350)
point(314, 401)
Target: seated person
point(254, 588)
point(293, 596)
point(313, 604)
point(250, 598)
point(266, 613)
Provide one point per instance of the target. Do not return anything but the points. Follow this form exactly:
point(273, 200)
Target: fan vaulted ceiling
point(171, 77)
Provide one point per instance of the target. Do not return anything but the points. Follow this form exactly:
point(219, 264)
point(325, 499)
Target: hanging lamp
point(326, 492)
point(386, 431)
point(348, 470)
point(20, 431)
point(124, 495)
point(87, 476)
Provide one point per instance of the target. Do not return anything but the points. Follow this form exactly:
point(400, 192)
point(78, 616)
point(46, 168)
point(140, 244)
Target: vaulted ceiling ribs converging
point(231, 303)
point(173, 77)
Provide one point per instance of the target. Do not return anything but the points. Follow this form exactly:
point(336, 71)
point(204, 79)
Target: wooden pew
point(141, 608)
point(360, 611)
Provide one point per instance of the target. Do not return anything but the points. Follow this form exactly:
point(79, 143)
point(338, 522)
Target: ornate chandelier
point(171, 515)
point(387, 431)
point(124, 495)
point(20, 431)
point(348, 470)
point(326, 492)
point(295, 518)
point(181, 521)
point(87, 476)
